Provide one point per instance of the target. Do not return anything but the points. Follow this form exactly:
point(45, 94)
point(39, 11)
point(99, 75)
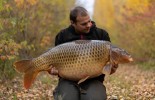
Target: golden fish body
point(75, 60)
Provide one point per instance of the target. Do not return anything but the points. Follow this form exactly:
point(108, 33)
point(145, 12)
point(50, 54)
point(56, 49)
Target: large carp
point(77, 60)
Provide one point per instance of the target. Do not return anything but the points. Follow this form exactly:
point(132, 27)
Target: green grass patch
point(120, 82)
point(45, 78)
point(6, 69)
point(15, 97)
point(148, 65)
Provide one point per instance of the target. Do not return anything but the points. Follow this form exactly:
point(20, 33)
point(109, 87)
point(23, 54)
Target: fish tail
point(26, 67)
point(29, 78)
point(22, 66)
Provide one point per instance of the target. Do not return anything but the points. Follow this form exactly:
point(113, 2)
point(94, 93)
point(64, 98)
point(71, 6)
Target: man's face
point(83, 24)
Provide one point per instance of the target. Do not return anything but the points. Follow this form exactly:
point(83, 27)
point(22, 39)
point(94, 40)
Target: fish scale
point(77, 60)
point(91, 58)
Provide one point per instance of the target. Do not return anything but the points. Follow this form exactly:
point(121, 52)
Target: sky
point(88, 4)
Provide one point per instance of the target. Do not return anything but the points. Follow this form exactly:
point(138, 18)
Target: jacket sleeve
point(105, 35)
point(59, 38)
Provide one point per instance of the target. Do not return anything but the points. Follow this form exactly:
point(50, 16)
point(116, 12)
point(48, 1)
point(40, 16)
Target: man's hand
point(53, 71)
point(114, 68)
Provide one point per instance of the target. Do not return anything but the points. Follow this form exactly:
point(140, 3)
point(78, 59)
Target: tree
point(133, 25)
point(28, 27)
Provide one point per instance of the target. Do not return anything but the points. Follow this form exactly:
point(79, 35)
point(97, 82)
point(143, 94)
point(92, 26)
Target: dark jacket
point(69, 34)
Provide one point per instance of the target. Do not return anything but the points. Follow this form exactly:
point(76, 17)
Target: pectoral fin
point(82, 80)
point(107, 69)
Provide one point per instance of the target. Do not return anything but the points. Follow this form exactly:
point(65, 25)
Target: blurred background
point(28, 28)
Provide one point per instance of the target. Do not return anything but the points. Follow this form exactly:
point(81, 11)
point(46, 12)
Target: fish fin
point(29, 78)
point(83, 79)
point(114, 56)
point(22, 66)
point(107, 69)
point(113, 68)
point(25, 66)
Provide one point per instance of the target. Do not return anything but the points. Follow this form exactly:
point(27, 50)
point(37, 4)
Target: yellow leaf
point(19, 3)
point(32, 2)
point(139, 6)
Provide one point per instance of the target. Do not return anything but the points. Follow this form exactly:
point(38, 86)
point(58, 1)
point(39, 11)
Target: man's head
point(80, 20)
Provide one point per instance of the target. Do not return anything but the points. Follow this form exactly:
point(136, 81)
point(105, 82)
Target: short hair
point(77, 11)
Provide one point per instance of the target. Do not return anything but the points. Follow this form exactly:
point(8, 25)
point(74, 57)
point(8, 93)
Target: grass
point(46, 78)
point(148, 65)
point(15, 97)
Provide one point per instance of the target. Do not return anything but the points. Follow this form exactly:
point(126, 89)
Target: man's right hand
point(53, 71)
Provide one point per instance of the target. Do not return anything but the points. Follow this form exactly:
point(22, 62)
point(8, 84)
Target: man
point(81, 28)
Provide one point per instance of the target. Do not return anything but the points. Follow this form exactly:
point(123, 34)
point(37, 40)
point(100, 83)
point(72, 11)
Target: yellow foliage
point(130, 24)
point(19, 3)
point(139, 6)
point(1, 5)
point(8, 49)
point(32, 2)
point(154, 23)
point(104, 13)
point(46, 40)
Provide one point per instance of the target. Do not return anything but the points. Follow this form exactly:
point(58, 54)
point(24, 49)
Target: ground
point(128, 83)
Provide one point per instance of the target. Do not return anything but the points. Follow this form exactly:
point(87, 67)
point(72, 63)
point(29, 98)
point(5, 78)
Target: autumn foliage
point(130, 24)
point(28, 28)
